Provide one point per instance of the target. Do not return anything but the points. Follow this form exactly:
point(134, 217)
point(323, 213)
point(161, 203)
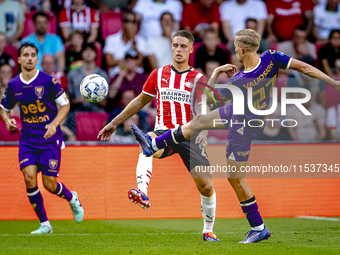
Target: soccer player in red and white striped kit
point(176, 87)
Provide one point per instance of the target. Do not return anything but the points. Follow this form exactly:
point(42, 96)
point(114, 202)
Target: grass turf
point(180, 236)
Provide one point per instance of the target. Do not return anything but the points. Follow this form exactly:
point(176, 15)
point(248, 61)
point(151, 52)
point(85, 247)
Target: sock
point(208, 205)
point(46, 223)
point(250, 209)
point(174, 136)
point(37, 203)
point(144, 172)
point(63, 192)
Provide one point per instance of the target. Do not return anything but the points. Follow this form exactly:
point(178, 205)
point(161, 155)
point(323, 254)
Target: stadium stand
point(29, 24)
point(88, 124)
point(111, 23)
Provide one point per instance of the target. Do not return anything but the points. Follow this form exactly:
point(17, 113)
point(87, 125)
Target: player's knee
point(50, 185)
point(205, 188)
point(235, 182)
point(30, 181)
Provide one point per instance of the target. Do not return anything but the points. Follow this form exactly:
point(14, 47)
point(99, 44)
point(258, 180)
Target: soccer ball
point(94, 88)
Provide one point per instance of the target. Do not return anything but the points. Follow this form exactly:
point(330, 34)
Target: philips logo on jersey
point(167, 94)
point(37, 108)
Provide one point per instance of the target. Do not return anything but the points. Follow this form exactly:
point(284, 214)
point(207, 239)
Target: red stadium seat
point(89, 124)
point(13, 52)
point(111, 22)
point(98, 51)
point(8, 136)
point(29, 24)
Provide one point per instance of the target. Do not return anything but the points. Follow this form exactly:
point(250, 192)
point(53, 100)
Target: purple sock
point(250, 209)
point(37, 203)
point(63, 192)
point(170, 137)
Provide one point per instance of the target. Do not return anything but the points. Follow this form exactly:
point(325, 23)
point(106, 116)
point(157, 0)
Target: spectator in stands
point(150, 11)
point(333, 122)
point(310, 127)
point(285, 16)
point(210, 51)
point(127, 79)
point(4, 57)
point(78, 103)
point(6, 73)
point(210, 66)
point(235, 13)
point(326, 19)
point(273, 130)
point(329, 55)
point(299, 48)
point(123, 133)
point(118, 44)
point(46, 43)
point(79, 17)
point(200, 15)
point(264, 45)
point(36, 5)
point(159, 47)
point(12, 20)
point(73, 54)
point(48, 64)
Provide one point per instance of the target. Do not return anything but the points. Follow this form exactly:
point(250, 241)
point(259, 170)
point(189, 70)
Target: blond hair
point(249, 39)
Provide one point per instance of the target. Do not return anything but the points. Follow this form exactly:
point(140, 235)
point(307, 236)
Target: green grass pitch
point(180, 236)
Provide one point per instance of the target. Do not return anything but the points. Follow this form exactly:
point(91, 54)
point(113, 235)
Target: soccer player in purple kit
point(260, 73)
point(41, 139)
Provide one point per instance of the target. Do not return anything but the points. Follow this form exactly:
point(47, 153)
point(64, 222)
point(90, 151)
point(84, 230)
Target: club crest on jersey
point(188, 84)
point(39, 91)
point(53, 163)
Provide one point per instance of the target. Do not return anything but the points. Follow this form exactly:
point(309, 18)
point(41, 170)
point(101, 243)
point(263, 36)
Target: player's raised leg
point(248, 202)
point(205, 186)
point(36, 200)
point(143, 174)
point(150, 145)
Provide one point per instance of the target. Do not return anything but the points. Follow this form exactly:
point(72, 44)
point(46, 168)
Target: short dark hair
point(44, 14)
point(333, 32)
point(166, 13)
point(252, 20)
point(210, 30)
point(186, 34)
point(127, 13)
point(26, 45)
point(301, 28)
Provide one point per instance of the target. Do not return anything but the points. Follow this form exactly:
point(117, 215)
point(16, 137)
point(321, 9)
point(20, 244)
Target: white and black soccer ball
point(94, 88)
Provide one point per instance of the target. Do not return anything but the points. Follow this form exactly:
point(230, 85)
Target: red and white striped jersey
point(82, 21)
point(177, 94)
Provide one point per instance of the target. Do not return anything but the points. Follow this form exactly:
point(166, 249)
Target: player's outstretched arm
point(314, 72)
point(10, 123)
point(131, 109)
point(52, 127)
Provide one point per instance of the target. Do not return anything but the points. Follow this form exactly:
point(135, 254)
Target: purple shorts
point(46, 158)
point(239, 137)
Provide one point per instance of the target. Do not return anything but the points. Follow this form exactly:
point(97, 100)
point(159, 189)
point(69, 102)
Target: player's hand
point(271, 39)
point(229, 69)
point(202, 139)
point(337, 85)
point(51, 129)
point(11, 125)
point(106, 132)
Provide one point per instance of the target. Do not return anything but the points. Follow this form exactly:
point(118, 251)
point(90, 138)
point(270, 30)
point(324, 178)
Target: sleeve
point(200, 87)
point(59, 44)
point(139, 7)
point(150, 85)
point(224, 12)
point(216, 14)
point(8, 99)
point(55, 88)
point(109, 42)
point(95, 21)
point(331, 122)
point(63, 20)
point(186, 16)
point(270, 7)
point(21, 16)
point(317, 17)
point(282, 60)
point(142, 46)
point(307, 5)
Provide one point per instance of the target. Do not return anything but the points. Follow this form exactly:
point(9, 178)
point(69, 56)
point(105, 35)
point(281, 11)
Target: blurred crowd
point(124, 40)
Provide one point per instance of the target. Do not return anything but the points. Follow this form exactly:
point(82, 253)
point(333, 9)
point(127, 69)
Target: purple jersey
point(261, 79)
point(38, 108)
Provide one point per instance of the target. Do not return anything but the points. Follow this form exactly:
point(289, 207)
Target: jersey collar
point(31, 80)
point(173, 69)
point(254, 67)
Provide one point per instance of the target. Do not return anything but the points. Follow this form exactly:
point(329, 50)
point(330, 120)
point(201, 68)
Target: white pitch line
point(318, 218)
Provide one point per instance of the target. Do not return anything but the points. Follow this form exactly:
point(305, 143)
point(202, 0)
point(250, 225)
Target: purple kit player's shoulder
point(14, 81)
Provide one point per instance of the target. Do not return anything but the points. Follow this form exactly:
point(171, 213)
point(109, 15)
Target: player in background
point(174, 86)
point(41, 139)
point(261, 72)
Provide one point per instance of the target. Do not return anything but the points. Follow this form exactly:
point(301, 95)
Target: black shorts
point(189, 152)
